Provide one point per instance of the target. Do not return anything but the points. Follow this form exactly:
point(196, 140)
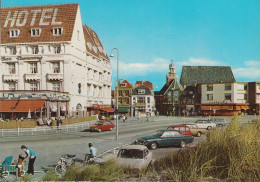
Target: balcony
point(32, 76)
point(10, 77)
point(54, 76)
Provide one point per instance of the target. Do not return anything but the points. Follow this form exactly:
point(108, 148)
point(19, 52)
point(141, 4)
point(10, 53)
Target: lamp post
point(111, 55)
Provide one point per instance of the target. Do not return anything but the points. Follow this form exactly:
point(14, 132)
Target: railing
point(44, 130)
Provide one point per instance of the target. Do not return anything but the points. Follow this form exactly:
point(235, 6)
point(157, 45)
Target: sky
point(151, 33)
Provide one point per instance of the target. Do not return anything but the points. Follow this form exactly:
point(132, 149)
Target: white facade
point(62, 66)
point(218, 93)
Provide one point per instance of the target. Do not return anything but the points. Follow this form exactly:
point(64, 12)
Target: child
point(20, 165)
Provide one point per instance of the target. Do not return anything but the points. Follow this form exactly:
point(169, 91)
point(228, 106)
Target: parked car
point(195, 130)
point(102, 126)
point(165, 138)
point(185, 130)
point(219, 121)
point(204, 123)
point(135, 156)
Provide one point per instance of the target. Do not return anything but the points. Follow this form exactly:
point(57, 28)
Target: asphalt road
point(49, 148)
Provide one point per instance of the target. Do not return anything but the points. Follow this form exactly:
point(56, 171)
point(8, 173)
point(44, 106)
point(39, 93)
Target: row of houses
point(202, 90)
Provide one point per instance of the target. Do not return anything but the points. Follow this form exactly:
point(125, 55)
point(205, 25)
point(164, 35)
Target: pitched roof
point(128, 85)
point(206, 74)
point(175, 84)
point(146, 83)
point(95, 42)
point(90, 44)
point(45, 17)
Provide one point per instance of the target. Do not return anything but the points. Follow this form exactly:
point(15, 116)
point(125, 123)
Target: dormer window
point(122, 84)
point(89, 46)
point(35, 32)
point(14, 33)
point(57, 31)
point(95, 49)
point(141, 91)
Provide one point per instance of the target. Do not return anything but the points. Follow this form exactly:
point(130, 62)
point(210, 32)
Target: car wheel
point(99, 130)
point(209, 128)
point(153, 145)
point(111, 129)
point(183, 144)
point(198, 134)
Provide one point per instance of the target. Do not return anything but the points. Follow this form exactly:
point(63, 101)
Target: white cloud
point(250, 71)
point(141, 69)
point(199, 62)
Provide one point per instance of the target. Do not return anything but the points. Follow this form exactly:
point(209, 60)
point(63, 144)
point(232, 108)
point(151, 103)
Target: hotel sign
point(38, 58)
point(20, 18)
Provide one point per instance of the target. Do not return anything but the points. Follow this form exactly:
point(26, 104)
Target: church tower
point(171, 75)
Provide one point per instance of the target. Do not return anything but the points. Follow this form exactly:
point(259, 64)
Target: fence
point(44, 130)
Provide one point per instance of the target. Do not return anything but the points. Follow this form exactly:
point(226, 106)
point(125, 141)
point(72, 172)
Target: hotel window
point(13, 50)
point(227, 86)
point(57, 49)
point(12, 86)
point(122, 84)
point(11, 68)
point(209, 96)
point(14, 33)
point(34, 86)
point(148, 100)
point(245, 96)
point(35, 32)
point(56, 86)
point(35, 50)
point(227, 96)
point(245, 87)
point(209, 87)
point(141, 91)
point(56, 67)
point(33, 68)
point(57, 31)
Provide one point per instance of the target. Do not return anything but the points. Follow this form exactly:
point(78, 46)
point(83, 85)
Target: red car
point(185, 130)
point(102, 126)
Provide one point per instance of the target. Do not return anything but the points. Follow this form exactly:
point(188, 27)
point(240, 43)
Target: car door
point(166, 139)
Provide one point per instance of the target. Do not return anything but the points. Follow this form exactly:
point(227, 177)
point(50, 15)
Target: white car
point(135, 156)
point(203, 123)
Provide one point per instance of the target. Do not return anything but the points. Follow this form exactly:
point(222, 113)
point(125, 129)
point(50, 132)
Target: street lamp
point(111, 55)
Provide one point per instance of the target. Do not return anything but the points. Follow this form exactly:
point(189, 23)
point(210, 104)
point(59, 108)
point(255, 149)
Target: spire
point(171, 75)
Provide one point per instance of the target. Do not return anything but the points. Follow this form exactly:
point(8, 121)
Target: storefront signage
point(6, 59)
point(29, 58)
point(20, 18)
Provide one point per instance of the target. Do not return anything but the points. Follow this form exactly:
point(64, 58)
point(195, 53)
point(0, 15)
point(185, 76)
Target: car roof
point(139, 147)
point(181, 125)
point(166, 130)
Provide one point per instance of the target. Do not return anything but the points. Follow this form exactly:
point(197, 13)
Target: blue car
point(165, 138)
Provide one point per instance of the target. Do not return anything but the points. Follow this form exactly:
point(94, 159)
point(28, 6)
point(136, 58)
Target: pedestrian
point(31, 155)
point(20, 165)
point(123, 118)
point(92, 150)
point(59, 123)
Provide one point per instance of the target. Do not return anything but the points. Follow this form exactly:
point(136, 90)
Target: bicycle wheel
point(60, 169)
point(2, 178)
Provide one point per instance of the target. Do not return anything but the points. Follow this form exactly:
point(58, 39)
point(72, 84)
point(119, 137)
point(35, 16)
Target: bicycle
point(63, 164)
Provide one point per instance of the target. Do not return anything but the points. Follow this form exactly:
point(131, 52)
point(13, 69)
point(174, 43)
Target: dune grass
point(229, 154)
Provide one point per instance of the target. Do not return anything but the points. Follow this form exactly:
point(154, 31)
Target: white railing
point(44, 130)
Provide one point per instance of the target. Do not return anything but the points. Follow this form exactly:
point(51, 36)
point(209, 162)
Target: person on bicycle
point(92, 150)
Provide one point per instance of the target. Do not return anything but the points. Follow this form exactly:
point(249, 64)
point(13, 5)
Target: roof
point(147, 90)
point(139, 147)
point(146, 83)
point(45, 17)
point(206, 74)
point(188, 92)
point(128, 85)
point(173, 84)
point(92, 38)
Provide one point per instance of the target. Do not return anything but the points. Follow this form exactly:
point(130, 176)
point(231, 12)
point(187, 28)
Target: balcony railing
point(32, 76)
point(10, 77)
point(54, 76)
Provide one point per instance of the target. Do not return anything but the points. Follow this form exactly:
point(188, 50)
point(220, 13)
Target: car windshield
point(99, 123)
point(159, 133)
point(131, 153)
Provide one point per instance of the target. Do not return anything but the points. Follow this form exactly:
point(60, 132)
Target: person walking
point(31, 155)
point(59, 123)
point(123, 118)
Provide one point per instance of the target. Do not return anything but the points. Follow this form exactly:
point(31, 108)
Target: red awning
point(107, 109)
point(6, 105)
point(32, 105)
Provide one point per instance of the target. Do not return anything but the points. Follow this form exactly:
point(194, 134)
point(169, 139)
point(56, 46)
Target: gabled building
point(142, 101)
point(124, 97)
point(167, 99)
point(48, 55)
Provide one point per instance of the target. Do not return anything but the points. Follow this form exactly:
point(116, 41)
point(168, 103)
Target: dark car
point(165, 138)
